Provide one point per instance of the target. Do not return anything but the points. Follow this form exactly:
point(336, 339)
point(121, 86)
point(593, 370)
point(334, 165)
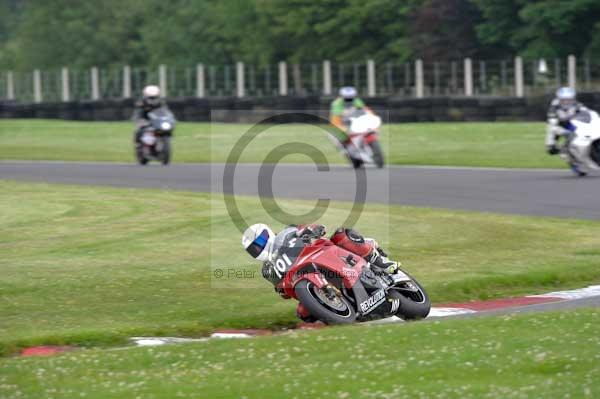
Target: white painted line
point(230, 335)
point(587, 292)
point(156, 341)
point(445, 312)
point(433, 313)
point(149, 342)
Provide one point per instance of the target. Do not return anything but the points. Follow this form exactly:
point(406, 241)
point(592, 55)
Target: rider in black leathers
point(149, 102)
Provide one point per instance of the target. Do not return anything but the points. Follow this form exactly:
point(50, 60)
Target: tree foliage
point(50, 34)
point(539, 28)
point(445, 29)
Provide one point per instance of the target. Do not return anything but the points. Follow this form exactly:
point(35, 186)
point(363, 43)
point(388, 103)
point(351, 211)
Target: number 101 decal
point(282, 264)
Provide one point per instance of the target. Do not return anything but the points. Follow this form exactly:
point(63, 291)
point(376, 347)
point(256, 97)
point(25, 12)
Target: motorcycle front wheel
point(356, 163)
point(139, 155)
point(413, 305)
point(165, 157)
point(377, 153)
point(329, 310)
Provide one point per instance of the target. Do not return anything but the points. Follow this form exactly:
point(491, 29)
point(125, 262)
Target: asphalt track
point(510, 191)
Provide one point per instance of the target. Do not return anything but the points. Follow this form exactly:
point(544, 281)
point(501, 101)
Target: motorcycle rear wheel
point(329, 313)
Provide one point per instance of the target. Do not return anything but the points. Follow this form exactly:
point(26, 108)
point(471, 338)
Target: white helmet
point(152, 95)
point(348, 93)
point(258, 241)
point(566, 97)
point(565, 93)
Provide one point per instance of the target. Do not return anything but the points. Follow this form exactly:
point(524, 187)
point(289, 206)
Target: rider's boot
point(380, 260)
point(575, 168)
point(573, 164)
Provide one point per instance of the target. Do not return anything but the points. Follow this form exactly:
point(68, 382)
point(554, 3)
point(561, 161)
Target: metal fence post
point(482, 77)
point(95, 84)
point(519, 89)
point(371, 78)
point(126, 81)
point(66, 95)
point(239, 79)
point(313, 78)
point(468, 77)
point(572, 68)
point(297, 79)
point(327, 78)
point(37, 86)
point(389, 72)
point(419, 84)
point(10, 86)
point(200, 80)
point(283, 83)
point(587, 74)
point(162, 80)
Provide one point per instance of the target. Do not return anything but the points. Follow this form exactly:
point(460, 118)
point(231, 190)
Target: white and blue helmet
point(258, 241)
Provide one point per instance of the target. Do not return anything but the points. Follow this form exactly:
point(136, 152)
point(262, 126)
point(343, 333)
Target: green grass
point(546, 355)
point(467, 144)
point(93, 266)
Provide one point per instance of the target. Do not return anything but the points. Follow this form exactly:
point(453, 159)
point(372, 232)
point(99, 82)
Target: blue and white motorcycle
point(582, 150)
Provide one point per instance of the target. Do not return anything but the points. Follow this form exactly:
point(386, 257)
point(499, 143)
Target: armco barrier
point(252, 110)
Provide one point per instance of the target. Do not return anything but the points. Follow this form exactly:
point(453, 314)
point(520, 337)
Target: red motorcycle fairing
point(371, 137)
point(320, 261)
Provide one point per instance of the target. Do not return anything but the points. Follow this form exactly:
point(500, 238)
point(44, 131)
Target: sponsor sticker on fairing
point(373, 301)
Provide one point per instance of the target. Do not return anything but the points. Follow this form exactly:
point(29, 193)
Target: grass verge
point(95, 265)
point(545, 355)
point(497, 144)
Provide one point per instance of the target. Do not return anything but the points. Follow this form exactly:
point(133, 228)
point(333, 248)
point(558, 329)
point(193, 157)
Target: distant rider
point(150, 101)
point(264, 245)
point(343, 108)
point(562, 109)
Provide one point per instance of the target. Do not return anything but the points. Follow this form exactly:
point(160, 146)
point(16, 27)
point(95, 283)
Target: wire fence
point(507, 77)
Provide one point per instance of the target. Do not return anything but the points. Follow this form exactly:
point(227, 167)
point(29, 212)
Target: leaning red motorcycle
point(336, 286)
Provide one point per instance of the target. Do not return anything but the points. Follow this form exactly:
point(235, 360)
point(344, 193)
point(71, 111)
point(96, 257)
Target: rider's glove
point(281, 293)
point(311, 231)
point(553, 150)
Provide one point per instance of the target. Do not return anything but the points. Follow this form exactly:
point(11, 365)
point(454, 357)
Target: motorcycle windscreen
point(583, 116)
point(161, 113)
point(162, 119)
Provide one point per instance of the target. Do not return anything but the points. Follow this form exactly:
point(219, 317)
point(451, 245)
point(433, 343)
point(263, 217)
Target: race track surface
point(511, 191)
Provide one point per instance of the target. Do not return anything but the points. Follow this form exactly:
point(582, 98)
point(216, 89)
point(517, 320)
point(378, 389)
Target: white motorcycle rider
point(359, 127)
point(579, 126)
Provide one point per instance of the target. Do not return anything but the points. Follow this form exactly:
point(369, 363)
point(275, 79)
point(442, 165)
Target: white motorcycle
point(364, 136)
point(582, 150)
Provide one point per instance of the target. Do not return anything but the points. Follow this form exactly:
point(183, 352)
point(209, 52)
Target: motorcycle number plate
point(148, 139)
